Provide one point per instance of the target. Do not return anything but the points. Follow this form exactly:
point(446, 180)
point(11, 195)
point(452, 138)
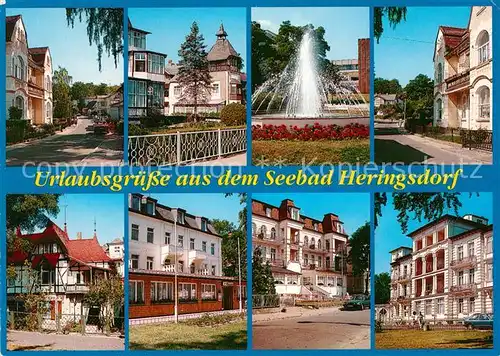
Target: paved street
point(75, 146)
point(303, 122)
point(23, 340)
point(333, 329)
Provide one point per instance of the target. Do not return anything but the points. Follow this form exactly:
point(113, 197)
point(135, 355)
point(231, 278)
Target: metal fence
point(184, 147)
point(480, 139)
point(266, 301)
point(62, 323)
point(430, 324)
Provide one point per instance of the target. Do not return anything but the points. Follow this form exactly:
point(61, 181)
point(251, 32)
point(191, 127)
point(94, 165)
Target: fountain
point(301, 92)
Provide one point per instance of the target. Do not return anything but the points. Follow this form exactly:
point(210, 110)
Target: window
point(489, 272)
point(177, 91)
point(136, 292)
point(320, 264)
point(187, 291)
point(295, 214)
point(137, 39)
point(489, 245)
point(440, 306)
point(472, 305)
point(48, 110)
point(149, 263)
point(273, 233)
point(212, 249)
point(471, 276)
point(47, 274)
point(460, 306)
point(150, 208)
point(460, 253)
point(204, 246)
point(140, 62)
point(263, 232)
point(484, 102)
point(268, 212)
point(439, 109)
point(319, 244)
point(137, 94)
point(20, 68)
point(428, 307)
point(254, 229)
point(429, 239)
point(180, 241)
point(208, 292)
point(156, 95)
point(48, 84)
point(306, 259)
point(162, 292)
point(460, 280)
point(327, 245)
point(439, 76)
point(273, 254)
point(483, 46)
point(151, 233)
point(167, 238)
point(470, 248)
point(418, 307)
point(191, 244)
point(213, 270)
point(316, 227)
point(134, 261)
point(215, 89)
point(327, 262)
point(234, 89)
point(156, 63)
point(135, 232)
point(306, 241)
point(19, 103)
point(465, 106)
point(203, 225)
point(181, 266)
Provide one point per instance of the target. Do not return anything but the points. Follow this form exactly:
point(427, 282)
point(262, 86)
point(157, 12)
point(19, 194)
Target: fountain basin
point(274, 119)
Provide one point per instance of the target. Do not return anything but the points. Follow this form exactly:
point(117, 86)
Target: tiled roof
point(452, 35)
point(222, 49)
point(38, 54)
point(10, 24)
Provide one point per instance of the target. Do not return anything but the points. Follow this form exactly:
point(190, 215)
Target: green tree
point(359, 254)
point(61, 93)
point(104, 29)
point(101, 89)
point(262, 276)
point(15, 113)
point(382, 288)
point(30, 211)
point(263, 54)
point(386, 86)
point(429, 206)
point(420, 97)
point(394, 15)
point(230, 236)
point(79, 91)
point(194, 76)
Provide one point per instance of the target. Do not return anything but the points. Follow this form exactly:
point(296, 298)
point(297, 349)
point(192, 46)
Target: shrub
point(378, 326)
point(17, 130)
point(233, 114)
point(72, 326)
point(136, 130)
point(310, 133)
point(15, 113)
point(119, 128)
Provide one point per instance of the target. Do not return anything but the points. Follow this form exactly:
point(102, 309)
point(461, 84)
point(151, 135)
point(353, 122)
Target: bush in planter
point(17, 130)
point(136, 130)
point(15, 113)
point(233, 114)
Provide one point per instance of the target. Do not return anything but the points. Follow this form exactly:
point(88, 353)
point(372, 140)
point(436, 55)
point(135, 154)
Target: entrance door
point(227, 297)
point(59, 307)
point(52, 310)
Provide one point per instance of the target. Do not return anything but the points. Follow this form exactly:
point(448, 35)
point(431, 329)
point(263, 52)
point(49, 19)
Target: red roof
point(38, 54)
point(10, 24)
point(452, 35)
point(82, 250)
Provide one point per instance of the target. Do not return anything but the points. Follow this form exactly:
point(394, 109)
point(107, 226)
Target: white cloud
point(268, 25)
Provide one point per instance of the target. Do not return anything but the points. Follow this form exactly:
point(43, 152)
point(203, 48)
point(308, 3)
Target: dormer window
point(295, 214)
point(203, 225)
point(315, 227)
point(136, 203)
point(150, 208)
point(268, 212)
point(180, 217)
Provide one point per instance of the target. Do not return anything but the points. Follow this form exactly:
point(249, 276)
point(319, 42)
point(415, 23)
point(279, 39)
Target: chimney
point(78, 235)
point(170, 62)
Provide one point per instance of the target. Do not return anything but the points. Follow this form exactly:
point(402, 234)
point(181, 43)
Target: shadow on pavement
point(332, 323)
point(390, 151)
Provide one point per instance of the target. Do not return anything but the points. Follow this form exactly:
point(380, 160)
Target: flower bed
point(310, 133)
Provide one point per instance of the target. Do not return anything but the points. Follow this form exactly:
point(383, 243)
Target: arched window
point(263, 231)
point(20, 72)
point(254, 229)
point(19, 103)
point(439, 109)
point(313, 242)
point(273, 233)
point(319, 244)
point(483, 46)
point(306, 241)
point(48, 111)
point(439, 76)
point(327, 245)
point(484, 102)
point(465, 106)
point(48, 84)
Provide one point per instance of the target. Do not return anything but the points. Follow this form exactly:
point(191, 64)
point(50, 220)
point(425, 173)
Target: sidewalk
point(25, 340)
point(236, 160)
point(291, 312)
point(171, 318)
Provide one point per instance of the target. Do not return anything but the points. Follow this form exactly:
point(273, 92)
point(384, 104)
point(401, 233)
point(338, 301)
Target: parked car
point(479, 321)
point(359, 301)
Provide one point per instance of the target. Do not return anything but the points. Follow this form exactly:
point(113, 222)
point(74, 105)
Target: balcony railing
point(463, 289)
point(458, 81)
point(403, 277)
point(463, 262)
point(267, 237)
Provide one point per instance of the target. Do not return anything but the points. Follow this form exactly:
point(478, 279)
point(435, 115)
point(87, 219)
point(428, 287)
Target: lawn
point(232, 336)
point(390, 151)
point(434, 339)
point(311, 152)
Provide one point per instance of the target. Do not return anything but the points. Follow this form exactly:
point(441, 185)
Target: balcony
point(458, 81)
point(463, 290)
point(35, 92)
point(197, 255)
point(77, 289)
point(403, 278)
point(266, 237)
point(464, 262)
point(402, 299)
point(169, 251)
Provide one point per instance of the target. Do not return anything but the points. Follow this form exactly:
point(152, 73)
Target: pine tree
point(194, 76)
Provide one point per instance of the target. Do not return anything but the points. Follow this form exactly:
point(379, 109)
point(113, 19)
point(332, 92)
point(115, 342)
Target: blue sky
point(343, 25)
point(170, 26)
point(408, 50)
point(353, 209)
point(388, 234)
point(69, 46)
point(211, 206)
point(107, 209)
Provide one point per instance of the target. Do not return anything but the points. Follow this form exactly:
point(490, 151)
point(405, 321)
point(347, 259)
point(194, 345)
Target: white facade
point(156, 243)
point(448, 274)
point(463, 73)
